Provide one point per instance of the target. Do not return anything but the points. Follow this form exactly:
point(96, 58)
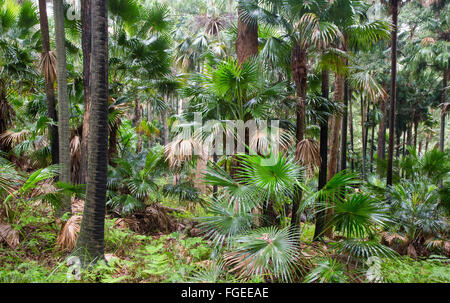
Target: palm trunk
point(394, 10)
point(112, 146)
point(86, 36)
point(165, 123)
point(381, 136)
point(90, 244)
point(343, 161)
point(49, 89)
point(320, 217)
point(299, 66)
point(372, 139)
point(352, 146)
point(364, 136)
point(335, 126)
point(63, 101)
point(247, 39)
point(416, 126)
point(334, 142)
point(444, 100)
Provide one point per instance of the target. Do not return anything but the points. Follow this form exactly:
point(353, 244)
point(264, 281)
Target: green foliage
point(327, 271)
point(359, 215)
point(266, 252)
point(406, 270)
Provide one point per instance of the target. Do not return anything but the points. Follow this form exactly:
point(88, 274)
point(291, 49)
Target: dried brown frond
point(12, 138)
point(180, 150)
point(427, 41)
point(77, 205)
point(48, 66)
point(75, 155)
point(9, 235)
point(68, 235)
point(307, 152)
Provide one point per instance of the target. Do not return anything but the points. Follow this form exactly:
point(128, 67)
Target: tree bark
point(343, 161)
point(394, 9)
point(63, 101)
point(90, 244)
point(381, 137)
point(165, 123)
point(364, 135)
point(86, 41)
point(320, 216)
point(49, 88)
point(299, 67)
point(335, 129)
point(247, 39)
point(334, 142)
point(443, 114)
point(352, 146)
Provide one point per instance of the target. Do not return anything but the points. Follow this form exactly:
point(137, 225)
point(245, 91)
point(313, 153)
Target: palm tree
point(393, 9)
point(86, 36)
point(90, 243)
point(49, 70)
point(247, 36)
point(63, 99)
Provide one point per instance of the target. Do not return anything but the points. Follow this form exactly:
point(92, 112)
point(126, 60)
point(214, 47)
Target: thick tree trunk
point(86, 41)
point(90, 244)
point(394, 10)
point(63, 101)
point(335, 127)
point(334, 142)
point(49, 89)
point(320, 216)
point(299, 67)
point(247, 39)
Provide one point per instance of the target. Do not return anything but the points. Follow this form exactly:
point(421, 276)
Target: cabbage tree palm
point(49, 71)
point(63, 99)
point(90, 243)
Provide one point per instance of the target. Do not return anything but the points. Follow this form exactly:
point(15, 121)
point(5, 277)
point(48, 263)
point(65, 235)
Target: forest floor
point(167, 256)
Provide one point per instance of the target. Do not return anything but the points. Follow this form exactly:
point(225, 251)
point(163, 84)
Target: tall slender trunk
point(165, 123)
point(333, 154)
point(372, 139)
point(416, 126)
point(320, 216)
point(444, 100)
point(335, 126)
point(299, 67)
point(247, 39)
point(352, 146)
point(381, 136)
point(90, 244)
point(49, 89)
point(63, 101)
point(86, 41)
point(112, 145)
point(394, 10)
point(343, 161)
point(364, 135)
